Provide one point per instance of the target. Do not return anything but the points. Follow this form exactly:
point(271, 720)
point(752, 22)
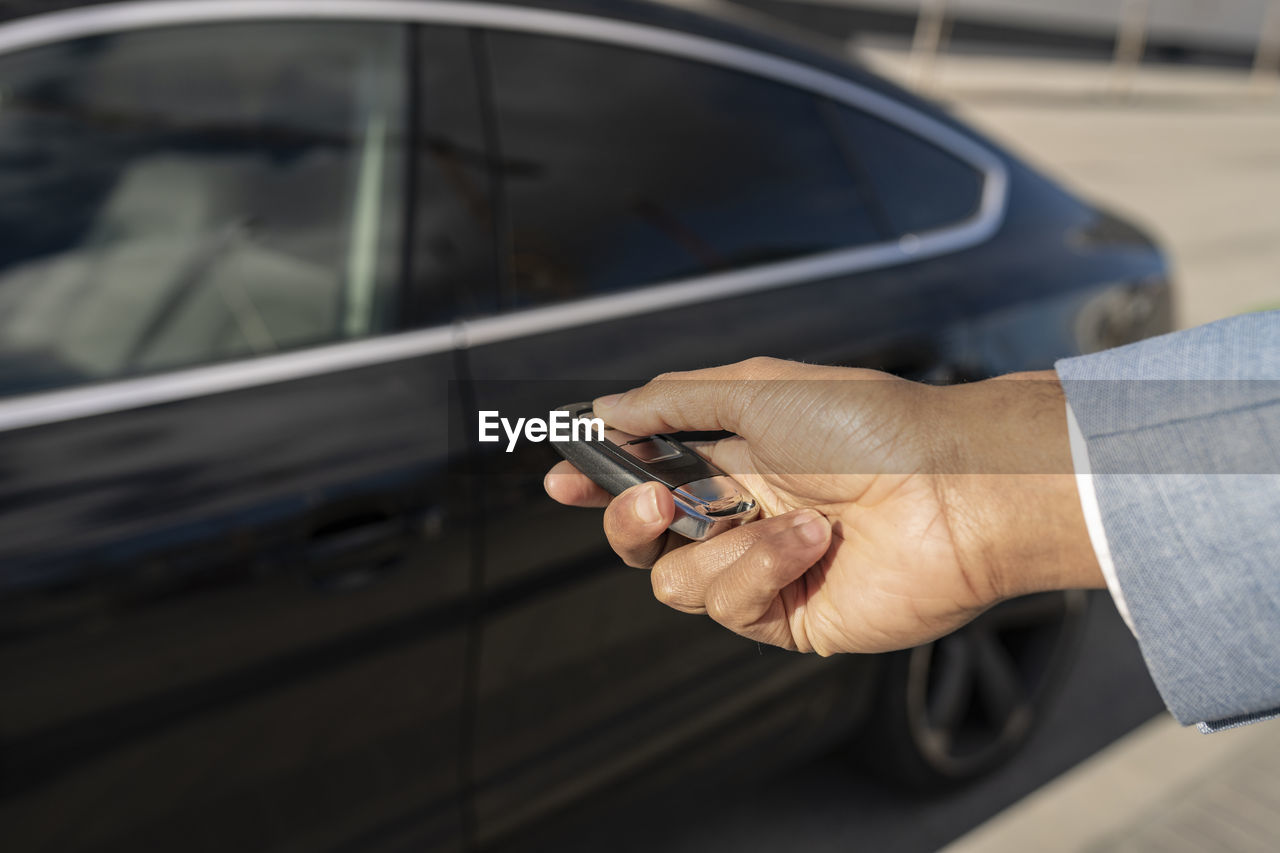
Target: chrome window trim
point(119, 395)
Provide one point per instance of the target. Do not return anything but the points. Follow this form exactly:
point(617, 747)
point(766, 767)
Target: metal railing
point(933, 24)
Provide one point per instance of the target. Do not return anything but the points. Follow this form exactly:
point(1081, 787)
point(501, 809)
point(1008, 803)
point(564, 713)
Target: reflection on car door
point(235, 617)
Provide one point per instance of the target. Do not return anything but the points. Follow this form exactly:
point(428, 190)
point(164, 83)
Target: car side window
point(919, 186)
point(183, 196)
point(623, 167)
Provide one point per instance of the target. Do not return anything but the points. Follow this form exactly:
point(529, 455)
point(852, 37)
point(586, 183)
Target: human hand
point(893, 512)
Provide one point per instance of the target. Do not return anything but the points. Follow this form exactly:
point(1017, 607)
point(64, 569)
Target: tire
point(953, 710)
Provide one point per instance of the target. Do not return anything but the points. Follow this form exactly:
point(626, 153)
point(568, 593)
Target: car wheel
point(954, 709)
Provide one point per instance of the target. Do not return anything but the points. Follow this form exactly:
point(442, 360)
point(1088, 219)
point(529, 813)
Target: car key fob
point(708, 501)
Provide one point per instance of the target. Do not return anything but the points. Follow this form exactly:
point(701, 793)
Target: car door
point(664, 213)
point(234, 553)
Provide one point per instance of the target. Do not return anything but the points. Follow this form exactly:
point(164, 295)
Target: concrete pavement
point(1163, 788)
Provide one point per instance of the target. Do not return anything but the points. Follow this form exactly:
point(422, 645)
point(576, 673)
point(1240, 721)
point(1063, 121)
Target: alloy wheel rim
point(973, 695)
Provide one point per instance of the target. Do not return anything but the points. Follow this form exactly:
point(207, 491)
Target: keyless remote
point(708, 501)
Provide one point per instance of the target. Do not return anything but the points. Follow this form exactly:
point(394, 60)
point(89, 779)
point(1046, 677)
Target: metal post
point(1131, 40)
point(928, 37)
point(1266, 59)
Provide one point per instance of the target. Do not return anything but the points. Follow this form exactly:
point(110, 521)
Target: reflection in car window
point(919, 186)
point(454, 263)
point(182, 196)
point(624, 167)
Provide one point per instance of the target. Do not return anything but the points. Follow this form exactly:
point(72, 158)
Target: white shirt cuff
point(1093, 514)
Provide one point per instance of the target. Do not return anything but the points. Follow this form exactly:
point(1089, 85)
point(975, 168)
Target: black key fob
point(708, 501)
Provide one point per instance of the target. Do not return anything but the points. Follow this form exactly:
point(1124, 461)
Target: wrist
point(1009, 488)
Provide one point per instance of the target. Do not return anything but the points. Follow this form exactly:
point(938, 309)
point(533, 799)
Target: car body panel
point(200, 599)
point(292, 602)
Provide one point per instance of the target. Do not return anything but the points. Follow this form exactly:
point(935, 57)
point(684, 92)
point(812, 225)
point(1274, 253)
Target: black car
point(260, 265)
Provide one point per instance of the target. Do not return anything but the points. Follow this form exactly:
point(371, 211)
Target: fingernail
point(646, 506)
point(608, 402)
point(811, 528)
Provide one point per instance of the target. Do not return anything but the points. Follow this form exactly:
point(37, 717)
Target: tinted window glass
point(624, 167)
point(918, 185)
point(183, 196)
point(453, 259)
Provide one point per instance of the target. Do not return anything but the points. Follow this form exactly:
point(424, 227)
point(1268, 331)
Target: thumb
point(716, 398)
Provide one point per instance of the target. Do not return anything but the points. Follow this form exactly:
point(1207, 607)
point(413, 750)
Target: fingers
point(635, 521)
point(746, 596)
point(636, 524)
point(713, 399)
point(681, 577)
point(736, 578)
point(733, 576)
point(567, 485)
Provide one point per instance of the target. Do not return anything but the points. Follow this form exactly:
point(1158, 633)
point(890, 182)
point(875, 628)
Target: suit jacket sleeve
point(1182, 434)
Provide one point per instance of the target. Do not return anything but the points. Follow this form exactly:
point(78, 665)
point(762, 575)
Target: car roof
point(710, 18)
point(714, 19)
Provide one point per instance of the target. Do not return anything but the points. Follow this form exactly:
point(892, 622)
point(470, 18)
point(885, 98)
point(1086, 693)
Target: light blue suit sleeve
point(1183, 439)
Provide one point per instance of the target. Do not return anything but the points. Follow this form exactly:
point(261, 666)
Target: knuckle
point(720, 608)
point(665, 588)
point(717, 609)
point(767, 560)
point(672, 590)
point(760, 365)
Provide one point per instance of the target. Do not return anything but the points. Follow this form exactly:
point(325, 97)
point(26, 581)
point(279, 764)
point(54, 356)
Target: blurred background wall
point(1167, 111)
